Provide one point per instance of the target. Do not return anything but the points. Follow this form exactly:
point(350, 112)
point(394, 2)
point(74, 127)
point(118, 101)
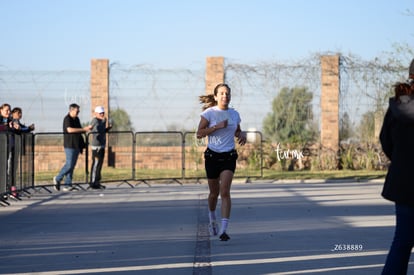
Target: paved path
point(275, 228)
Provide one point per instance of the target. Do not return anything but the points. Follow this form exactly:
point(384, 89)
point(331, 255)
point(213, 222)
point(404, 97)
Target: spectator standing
point(17, 115)
point(73, 144)
point(98, 144)
point(5, 117)
point(396, 136)
point(11, 128)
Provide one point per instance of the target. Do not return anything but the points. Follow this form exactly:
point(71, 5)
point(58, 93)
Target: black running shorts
point(215, 163)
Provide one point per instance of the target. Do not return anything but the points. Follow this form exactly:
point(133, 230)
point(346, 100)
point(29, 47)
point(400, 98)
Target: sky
point(67, 34)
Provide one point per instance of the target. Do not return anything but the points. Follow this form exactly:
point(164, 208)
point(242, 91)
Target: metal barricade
point(50, 157)
point(119, 156)
point(194, 156)
point(249, 163)
point(16, 164)
point(3, 162)
point(159, 155)
point(23, 161)
point(250, 160)
point(140, 157)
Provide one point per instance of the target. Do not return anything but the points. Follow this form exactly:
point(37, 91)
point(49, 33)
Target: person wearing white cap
point(99, 130)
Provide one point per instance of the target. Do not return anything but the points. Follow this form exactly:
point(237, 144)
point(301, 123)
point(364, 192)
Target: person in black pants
point(11, 128)
point(99, 130)
point(397, 136)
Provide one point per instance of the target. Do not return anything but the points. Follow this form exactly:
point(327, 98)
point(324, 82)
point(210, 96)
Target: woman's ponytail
point(207, 101)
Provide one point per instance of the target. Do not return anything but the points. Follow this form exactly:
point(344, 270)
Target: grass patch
point(116, 174)
point(325, 175)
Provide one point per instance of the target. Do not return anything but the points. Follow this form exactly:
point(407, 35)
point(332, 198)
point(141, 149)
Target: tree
point(345, 127)
point(291, 116)
point(366, 127)
point(120, 120)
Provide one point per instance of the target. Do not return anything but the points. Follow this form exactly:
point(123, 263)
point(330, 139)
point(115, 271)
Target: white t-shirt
point(222, 140)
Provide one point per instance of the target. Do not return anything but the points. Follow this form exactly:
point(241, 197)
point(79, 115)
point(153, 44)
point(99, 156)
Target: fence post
point(214, 72)
point(100, 94)
point(100, 83)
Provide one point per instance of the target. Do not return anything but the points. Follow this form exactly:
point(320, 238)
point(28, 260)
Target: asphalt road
point(311, 227)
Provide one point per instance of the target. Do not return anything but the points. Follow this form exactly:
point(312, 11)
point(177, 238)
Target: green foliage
point(254, 159)
point(324, 159)
point(346, 130)
point(361, 156)
point(291, 116)
point(366, 128)
point(347, 158)
point(120, 120)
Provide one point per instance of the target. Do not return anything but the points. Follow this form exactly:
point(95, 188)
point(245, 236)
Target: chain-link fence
point(45, 96)
point(365, 87)
point(167, 99)
point(157, 100)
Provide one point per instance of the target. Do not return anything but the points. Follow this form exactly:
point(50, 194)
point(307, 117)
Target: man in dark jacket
point(73, 144)
point(397, 140)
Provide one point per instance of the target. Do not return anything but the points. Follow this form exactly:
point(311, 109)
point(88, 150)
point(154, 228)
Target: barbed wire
point(158, 99)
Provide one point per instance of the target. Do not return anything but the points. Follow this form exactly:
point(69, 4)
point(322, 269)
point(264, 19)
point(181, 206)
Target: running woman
point(221, 124)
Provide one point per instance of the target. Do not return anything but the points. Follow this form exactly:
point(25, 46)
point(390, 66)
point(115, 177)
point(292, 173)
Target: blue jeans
point(67, 169)
point(400, 251)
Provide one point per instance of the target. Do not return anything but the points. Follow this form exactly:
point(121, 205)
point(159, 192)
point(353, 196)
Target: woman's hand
point(241, 138)
point(222, 124)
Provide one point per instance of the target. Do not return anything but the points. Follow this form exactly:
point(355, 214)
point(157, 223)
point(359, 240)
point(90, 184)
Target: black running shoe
point(97, 186)
point(224, 237)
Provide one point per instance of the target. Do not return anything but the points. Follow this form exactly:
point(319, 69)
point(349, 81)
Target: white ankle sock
point(224, 224)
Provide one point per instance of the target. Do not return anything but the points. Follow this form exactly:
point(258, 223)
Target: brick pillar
point(214, 73)
point(100, 84)
point(100, 95)
point(330, 102)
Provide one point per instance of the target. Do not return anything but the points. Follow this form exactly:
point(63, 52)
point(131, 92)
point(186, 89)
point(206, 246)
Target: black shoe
point(97, 186)
point(224, 237)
